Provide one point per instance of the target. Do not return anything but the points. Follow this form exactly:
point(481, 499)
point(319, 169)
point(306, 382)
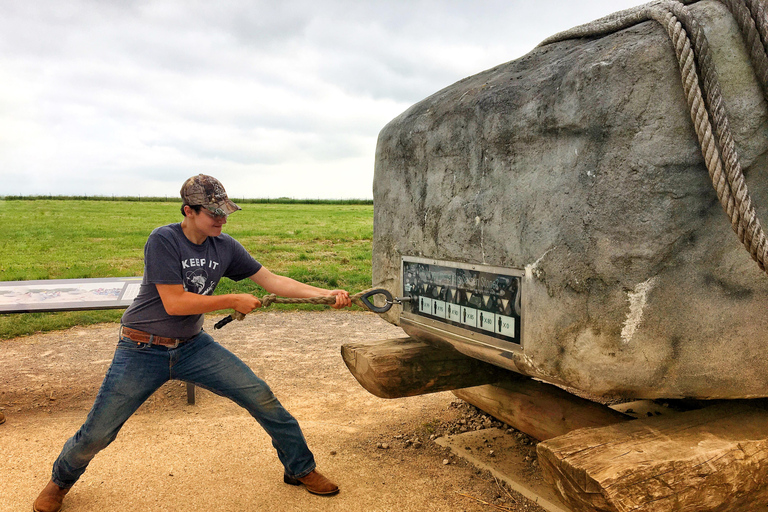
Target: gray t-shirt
point(171, 258)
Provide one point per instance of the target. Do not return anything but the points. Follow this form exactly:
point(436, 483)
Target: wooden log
point(542, 411)
point(711, 459)
point(403, 367)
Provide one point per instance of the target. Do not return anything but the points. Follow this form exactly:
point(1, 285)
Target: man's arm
point(287, 287)
point(178, 301)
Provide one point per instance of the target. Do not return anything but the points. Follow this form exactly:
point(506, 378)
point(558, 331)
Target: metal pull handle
point(370, 305)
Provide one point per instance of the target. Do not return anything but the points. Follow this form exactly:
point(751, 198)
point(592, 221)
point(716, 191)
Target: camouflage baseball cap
point(208, 192)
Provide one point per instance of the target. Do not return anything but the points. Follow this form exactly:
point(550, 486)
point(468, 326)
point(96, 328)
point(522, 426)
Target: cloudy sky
point(275, 98)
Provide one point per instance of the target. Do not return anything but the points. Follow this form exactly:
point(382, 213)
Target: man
point(161, 338)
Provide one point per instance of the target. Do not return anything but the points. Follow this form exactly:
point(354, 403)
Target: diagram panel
point(464, 298)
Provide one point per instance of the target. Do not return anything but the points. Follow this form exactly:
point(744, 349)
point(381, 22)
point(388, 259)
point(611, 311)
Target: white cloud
point(274, 98)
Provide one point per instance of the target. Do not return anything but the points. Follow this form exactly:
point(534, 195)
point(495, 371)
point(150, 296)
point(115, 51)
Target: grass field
point(326, 245)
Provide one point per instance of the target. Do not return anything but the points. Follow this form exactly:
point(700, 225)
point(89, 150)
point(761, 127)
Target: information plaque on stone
point(475, 298)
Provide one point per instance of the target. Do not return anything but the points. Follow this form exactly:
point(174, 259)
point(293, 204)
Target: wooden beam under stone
point(542, 411)
point(714, 458)
point(401, 367)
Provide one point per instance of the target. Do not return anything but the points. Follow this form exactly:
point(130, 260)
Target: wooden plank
point(542, 411)
point(403, 367)
point(68, 294)
point(713, 459)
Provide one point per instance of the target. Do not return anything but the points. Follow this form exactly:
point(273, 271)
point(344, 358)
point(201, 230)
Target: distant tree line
point(160, 199)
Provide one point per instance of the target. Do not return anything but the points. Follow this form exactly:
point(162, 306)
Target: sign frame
point(49, 295)
point(449, 327)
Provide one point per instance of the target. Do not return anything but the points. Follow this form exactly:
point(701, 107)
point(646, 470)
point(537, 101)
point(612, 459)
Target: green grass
point(326, 245)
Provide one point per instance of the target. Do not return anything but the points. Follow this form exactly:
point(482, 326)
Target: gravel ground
point(212, 456)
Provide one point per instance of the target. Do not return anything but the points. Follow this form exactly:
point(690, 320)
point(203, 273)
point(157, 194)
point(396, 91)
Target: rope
point(267, 300)
point(270, 299)
point(750, 16)
point(707, 109)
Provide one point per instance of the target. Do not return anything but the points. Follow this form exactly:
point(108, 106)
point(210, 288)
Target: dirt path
point(212, 456)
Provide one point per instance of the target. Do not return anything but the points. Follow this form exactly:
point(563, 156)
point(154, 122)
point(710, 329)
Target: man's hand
point(244, 302)
point(342, 299)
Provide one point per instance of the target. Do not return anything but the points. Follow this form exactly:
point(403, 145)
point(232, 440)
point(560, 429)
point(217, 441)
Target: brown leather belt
point(145, 337)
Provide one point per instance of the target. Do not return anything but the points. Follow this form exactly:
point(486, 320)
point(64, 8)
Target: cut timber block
point(540, 410)
point(403, 367)
point(711, 459)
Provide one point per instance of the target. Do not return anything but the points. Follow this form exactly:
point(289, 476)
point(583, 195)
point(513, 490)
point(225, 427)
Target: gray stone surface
point(579, 164)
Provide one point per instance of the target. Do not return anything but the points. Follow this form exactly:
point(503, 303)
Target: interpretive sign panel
point(68, 294)
point(472, 300)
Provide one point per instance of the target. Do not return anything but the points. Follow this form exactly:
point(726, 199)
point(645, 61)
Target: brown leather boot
point(314, 482)
point(2, 418)
point(50, 499)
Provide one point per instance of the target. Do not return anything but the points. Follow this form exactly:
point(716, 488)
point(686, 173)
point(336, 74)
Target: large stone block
point(579, 164)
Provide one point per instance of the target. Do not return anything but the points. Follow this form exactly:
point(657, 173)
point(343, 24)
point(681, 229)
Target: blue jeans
point(139, 369)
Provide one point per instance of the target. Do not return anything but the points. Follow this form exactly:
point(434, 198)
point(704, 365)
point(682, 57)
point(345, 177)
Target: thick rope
point(743, 217)
point(707, 109)
point(267, 300)
point(271, 298)
point(750, 16)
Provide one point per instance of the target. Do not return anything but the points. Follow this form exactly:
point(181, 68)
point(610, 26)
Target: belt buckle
point(122, 335)
point(177, 343)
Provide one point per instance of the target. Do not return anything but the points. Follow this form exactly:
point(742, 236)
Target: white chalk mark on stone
point(637, 301)
point(533, 267)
